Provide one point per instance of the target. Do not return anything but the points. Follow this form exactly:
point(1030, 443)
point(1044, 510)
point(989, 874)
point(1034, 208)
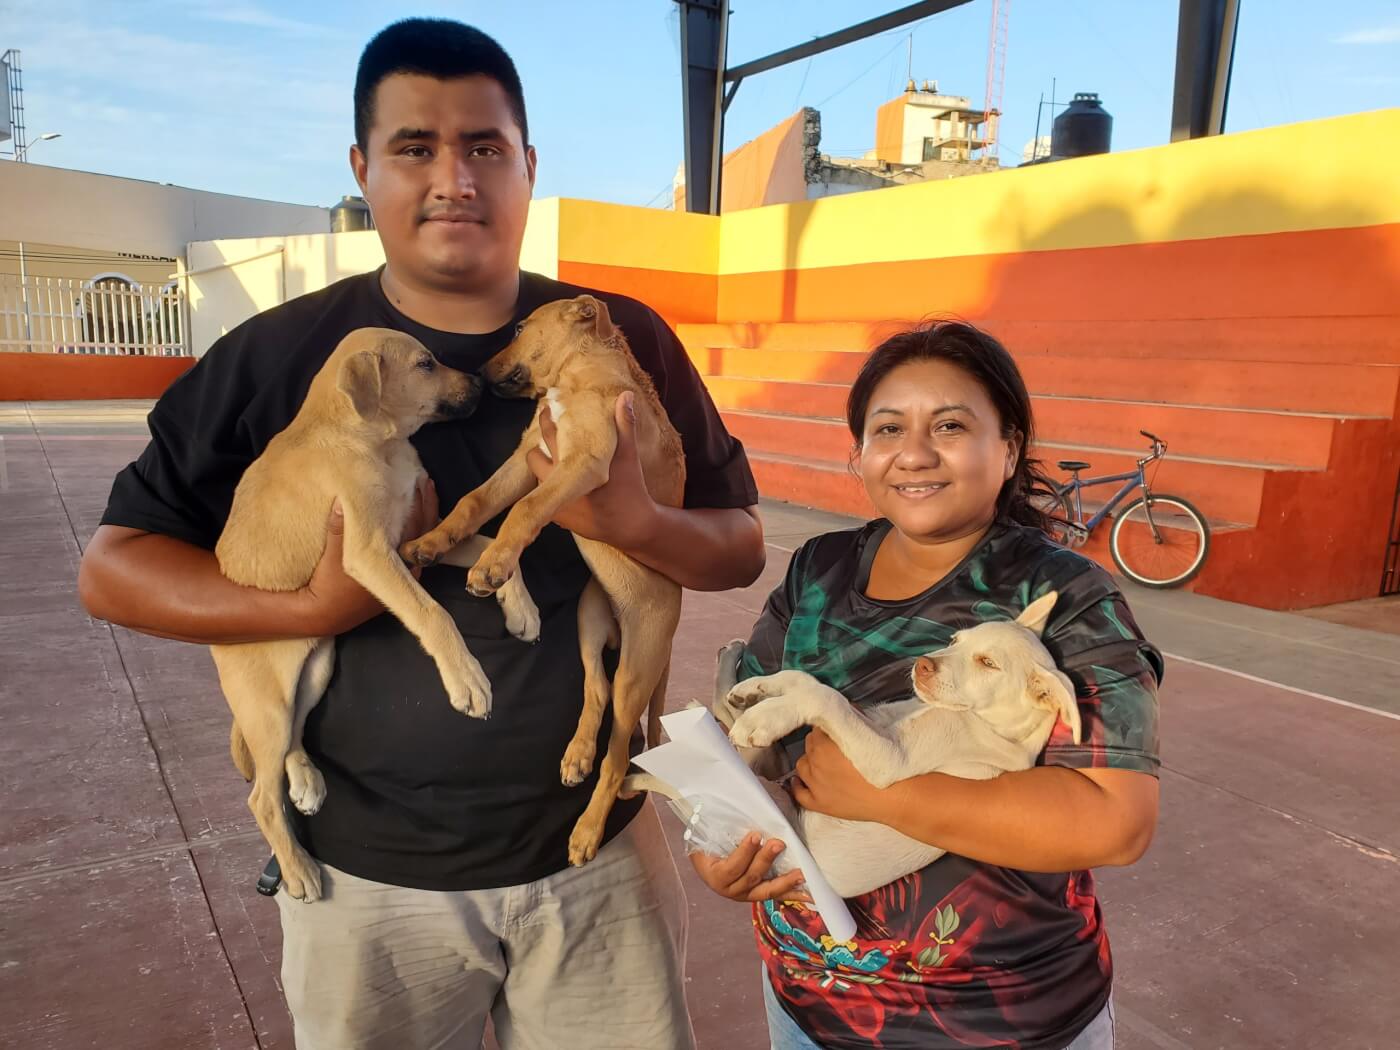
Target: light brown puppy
point(349, 442)
point(568, 355)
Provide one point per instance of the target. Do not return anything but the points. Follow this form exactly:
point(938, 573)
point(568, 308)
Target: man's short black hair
point(433, 47)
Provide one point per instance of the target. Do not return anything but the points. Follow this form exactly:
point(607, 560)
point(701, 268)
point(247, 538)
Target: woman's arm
point(1049, 818)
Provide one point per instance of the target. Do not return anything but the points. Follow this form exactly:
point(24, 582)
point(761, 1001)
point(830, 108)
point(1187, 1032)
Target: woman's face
point(932, 457)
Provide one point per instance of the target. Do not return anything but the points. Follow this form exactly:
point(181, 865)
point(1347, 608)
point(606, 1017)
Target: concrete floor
point(1373, 614)
point(1264, 916)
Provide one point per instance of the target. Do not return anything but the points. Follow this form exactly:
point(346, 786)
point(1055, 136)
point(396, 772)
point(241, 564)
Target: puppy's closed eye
point(987, 662)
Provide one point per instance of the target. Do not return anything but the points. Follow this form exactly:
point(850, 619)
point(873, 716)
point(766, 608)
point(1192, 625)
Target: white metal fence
point(108, 316)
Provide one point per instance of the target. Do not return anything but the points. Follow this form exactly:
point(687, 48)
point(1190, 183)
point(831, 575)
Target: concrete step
point(1269, 438)
point(1224, 490)
point(810, 483)
point(1303, 340)
point(1346, 389)
point(1290, 439)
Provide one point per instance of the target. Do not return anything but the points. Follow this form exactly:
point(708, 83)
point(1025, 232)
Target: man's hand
point(333, 601)
point(827, 782)
point(621, 512)
point(743, 875)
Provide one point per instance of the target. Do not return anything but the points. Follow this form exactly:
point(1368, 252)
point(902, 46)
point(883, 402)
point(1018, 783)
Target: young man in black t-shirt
point(443, 839)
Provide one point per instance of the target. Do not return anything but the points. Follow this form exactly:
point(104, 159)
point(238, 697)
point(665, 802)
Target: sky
point(253, 97)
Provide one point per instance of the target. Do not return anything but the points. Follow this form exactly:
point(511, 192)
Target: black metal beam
point(704, 32)
point(893, 20)
point(704, 25)
point(1205, 51)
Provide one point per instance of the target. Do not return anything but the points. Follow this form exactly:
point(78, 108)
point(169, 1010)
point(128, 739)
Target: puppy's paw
point(305, 785)
point(301, 877)
point(491, 572)
point(583, 843)
point(428, 549)
point(754, 690)
point(577, 763)
point(522, 615)
point(468, 689)
point(727, 666)
point(754, 730)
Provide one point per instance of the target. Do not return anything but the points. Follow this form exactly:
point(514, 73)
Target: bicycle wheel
point(1168, 556)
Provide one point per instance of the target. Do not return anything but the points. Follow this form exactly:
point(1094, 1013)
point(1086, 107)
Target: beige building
point(88, 262)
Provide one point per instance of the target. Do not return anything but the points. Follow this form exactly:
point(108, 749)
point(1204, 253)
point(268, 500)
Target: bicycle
point(1158, 540)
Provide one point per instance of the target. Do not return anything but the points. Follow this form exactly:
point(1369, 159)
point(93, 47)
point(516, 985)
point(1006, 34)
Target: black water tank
point(352, 213)
point(1085, 128)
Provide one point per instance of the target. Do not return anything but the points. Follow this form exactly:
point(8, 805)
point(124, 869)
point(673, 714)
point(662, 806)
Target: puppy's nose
point(925, 668)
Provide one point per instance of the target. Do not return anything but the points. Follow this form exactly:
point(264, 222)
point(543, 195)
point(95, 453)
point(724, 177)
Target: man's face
point(448, 177)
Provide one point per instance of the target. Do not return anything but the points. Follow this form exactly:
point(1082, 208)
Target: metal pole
point(1035, 142)
point(1204, 56)
point(702, 63)
point(717, 135)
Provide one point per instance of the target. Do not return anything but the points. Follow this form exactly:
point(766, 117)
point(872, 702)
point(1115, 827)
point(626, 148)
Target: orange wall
point(680, 298)
point(766, 170)
point(77, 377)
point(1348, 272)
point(889, 130)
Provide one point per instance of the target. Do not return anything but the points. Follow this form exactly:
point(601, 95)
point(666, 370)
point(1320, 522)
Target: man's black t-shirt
point(416, 793)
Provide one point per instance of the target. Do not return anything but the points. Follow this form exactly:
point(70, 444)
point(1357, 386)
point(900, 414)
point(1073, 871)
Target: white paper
point(700, 761)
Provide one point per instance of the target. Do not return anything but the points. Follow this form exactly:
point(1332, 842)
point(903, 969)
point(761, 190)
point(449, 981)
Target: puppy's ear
point(360, 380)
point(586, 309)
point(602, 324)
point(1037, 613)
point(1054, 691)
point(580, 309)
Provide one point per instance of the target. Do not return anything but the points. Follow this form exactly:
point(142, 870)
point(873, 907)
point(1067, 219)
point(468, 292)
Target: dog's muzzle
point(464, 404)
point(513, 384)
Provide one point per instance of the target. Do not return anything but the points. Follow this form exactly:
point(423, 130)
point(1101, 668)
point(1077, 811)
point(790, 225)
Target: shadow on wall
point(1310, 282)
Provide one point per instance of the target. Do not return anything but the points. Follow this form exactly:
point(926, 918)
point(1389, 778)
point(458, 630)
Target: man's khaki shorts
point(591, 957)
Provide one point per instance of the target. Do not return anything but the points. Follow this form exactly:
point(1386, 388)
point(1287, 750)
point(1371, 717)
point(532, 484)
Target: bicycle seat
point(1072, 465)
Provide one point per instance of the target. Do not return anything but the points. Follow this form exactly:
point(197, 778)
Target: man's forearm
point(1044, 819)
point(702, 549)
point(163, 586)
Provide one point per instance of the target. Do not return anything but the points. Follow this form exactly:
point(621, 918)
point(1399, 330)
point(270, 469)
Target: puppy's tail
point(238, 748)
point(655, 706)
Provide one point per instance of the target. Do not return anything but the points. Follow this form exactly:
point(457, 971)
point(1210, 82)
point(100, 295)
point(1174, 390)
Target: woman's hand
point(743, 875)
point(827, 782)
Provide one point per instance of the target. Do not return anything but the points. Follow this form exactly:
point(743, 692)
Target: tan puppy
point(569, 356)
point(984, 706)
point(348, 442)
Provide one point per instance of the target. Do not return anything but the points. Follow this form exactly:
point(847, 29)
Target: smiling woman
point(1001, 942)
point(942, 423)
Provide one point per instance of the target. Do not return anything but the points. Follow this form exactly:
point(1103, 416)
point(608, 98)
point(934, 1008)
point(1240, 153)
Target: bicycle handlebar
point(1159, 447)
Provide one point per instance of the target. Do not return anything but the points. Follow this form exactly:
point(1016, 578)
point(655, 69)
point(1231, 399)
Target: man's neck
point(472, 311)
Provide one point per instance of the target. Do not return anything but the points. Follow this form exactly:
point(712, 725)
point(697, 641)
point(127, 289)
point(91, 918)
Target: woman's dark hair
point(438, 48)
point(1027, 495)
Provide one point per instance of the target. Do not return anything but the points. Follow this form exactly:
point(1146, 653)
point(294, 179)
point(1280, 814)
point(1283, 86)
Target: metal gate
point(1390, 575)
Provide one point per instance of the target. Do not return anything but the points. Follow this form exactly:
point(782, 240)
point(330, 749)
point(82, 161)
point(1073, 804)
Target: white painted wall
point(83, 210)
point(231, 280)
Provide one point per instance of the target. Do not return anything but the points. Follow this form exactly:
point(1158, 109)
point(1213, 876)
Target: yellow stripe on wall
point(641, 238)
point(1335, 173)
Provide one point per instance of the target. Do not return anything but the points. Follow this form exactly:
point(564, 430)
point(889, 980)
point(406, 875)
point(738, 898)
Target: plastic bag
point(715, 828)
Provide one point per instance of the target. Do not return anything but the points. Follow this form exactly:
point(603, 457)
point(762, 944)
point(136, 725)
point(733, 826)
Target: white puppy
point(982, 707)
